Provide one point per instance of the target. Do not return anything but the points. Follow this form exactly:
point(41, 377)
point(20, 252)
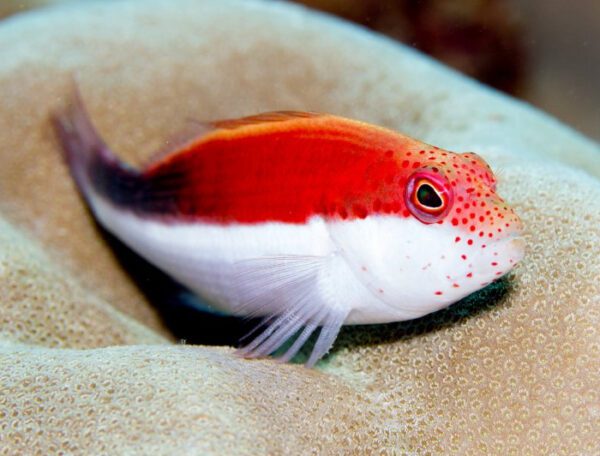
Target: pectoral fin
point(286, 291)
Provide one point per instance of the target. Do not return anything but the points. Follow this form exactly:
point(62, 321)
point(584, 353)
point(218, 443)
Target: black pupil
point(428, 197)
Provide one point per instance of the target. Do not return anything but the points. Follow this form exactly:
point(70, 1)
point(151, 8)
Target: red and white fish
point(308, 220)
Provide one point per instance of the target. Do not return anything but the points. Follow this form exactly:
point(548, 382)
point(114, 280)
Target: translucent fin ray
point(284, 290)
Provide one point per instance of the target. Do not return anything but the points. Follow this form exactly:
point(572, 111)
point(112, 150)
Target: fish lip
point(515, 237)
point(517, 244)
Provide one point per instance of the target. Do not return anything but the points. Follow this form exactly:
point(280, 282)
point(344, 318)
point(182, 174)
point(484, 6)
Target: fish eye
point(428, 196)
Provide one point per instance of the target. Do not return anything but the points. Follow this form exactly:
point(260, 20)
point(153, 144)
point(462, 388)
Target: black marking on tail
point(93, 165)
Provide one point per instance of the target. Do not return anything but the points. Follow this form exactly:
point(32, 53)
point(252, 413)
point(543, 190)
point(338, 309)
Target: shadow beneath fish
point(476, 303)
point(192, 320)
point(365, 335)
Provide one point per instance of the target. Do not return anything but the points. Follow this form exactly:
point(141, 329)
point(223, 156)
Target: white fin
point(285, 290)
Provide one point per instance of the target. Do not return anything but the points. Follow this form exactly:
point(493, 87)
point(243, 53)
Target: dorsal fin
point(266, 117)
point(194, 130)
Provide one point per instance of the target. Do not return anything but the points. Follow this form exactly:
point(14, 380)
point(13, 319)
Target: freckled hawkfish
point(311, 221)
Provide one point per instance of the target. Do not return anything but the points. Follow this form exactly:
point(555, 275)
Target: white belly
point(210, 260)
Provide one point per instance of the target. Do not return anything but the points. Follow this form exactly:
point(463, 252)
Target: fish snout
point(517, 247)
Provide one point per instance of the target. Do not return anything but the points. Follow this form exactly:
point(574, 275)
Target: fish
point(307, 221)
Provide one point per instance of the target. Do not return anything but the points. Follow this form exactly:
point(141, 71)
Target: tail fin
point(95, 168)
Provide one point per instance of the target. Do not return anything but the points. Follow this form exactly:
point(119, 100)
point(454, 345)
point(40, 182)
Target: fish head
point(453, 235)
point(469, 235)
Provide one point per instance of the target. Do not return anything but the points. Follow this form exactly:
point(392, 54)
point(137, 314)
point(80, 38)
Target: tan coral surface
point(513, 370)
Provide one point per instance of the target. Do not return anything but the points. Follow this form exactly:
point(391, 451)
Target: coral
point(511, 370)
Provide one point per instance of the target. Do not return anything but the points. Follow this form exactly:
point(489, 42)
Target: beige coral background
point(87, 366)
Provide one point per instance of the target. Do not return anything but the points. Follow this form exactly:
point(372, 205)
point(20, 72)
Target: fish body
point(308, 220)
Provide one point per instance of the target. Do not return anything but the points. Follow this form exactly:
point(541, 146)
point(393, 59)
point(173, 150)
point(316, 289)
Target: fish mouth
point(517, 247)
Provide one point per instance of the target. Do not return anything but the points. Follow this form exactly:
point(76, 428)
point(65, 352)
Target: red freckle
point(490, 235)
point(499, 230)
point(438, 293)
point(487, 195)
point(405, 164)
point(454, 221)
point(499, 273)
point(434, 169)
point(360, 211)
point(455, 285)
point(481, 234)
point(511, 261)
point(460, 198)
point(463, 256)
point(467, 205)
point(482, 204)
point(470, 190)
point(464, 221)
point(483, 246)
point(439, 222)
point(495, 253)
point(487, 212)
point(389, 154)
point(343, 213)
point(454, 165)
point(507, 225)
point(494, 263)
point(416, 164)
point(458, 210)
point(405, 213)
point(481, 218)
point(472, 215)
point(457, 239)
point(478, 194)
point(421, 152)
point(469, 275)
point(472, 228)
point(470, 242)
